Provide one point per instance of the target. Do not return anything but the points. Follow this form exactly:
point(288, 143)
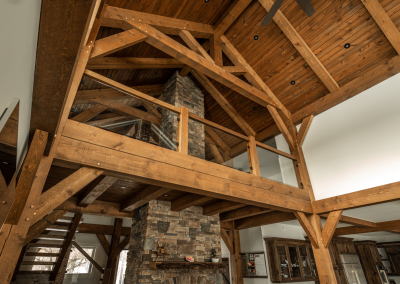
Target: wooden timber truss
point(103, 157)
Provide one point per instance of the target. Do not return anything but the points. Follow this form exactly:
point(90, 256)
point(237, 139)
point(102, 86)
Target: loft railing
point(214, 135)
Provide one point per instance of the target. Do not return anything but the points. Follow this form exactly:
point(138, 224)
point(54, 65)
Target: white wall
point(354, 145)
point(19, 22)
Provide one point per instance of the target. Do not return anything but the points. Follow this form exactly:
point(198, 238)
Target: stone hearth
point(187, 233)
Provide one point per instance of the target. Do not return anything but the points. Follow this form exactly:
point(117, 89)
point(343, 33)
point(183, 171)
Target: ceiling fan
point(305, 5)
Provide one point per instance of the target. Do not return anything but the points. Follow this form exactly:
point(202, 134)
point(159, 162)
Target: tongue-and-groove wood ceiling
point(272, 56)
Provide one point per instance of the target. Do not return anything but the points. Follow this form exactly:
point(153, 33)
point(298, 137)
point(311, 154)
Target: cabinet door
point(294, 263)
point(395, 260)
point(340, 276)
point(334, 255)
point(313, 266)
point(283, 261)
point(305, 262)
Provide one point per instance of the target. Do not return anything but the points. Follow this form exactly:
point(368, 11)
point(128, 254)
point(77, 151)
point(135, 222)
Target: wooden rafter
point(302, 47)
point(7, 197)
point(88, 257)
point(114, 43)
point(104, 243)
point(282, 127)
point(217, 155)
point(243, 212)
point(189, 57)
point(89, 113)
point(183, 131)
point(99, 208)
point(116, 17)
point(353, 221)
point(223, 103)
point(114, 251)
point(149, 193)
point(62, 191)
point(187, 201)
point(227, 241)
point(307, 227)
point(194, 45)
point(129, 111)
point(133, 63)
point(384, 22)
point(380, 226)
point(85, 96)
point(95, 189)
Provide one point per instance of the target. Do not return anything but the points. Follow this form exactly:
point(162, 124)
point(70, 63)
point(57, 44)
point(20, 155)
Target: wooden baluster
point(183, 131)
point(253, 157)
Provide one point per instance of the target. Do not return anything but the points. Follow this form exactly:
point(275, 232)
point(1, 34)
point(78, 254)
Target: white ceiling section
point(19, 28)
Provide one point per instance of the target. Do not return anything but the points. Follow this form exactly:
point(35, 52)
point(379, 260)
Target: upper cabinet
point(290, 260)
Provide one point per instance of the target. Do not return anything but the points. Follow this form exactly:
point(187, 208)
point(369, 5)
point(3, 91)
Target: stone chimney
point(182, 91)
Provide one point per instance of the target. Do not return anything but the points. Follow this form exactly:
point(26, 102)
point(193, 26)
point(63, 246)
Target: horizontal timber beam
point(366, 197)
point(84, 96)
point(243, 212)
point(97, 207)
point(133, 63)
point(102, 229)
point(122, 156)
point(352, 221)
point(264, 219)
point(116, 17)
point(380, 226)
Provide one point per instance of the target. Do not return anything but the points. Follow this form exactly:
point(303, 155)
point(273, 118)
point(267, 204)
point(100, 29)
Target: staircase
point(40, 256)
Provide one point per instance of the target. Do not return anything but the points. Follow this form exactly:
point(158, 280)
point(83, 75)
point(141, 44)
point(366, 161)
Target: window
point(121, 267)
point(44, 259)
point(78, 263)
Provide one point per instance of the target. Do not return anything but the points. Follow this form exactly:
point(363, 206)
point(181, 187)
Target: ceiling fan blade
point(272, 12)
point(306, 6)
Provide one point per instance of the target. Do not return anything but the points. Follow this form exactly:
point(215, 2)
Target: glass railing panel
point(274, 166)
point(217, 144)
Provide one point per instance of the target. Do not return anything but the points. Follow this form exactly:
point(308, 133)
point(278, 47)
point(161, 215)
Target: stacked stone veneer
point(182, 91)
point(187, 233)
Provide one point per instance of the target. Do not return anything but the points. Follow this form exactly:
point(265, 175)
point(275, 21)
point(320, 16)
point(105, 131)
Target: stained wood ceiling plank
point(302, 47)
point(116, 17)
point(385, 23)
point(237, 7)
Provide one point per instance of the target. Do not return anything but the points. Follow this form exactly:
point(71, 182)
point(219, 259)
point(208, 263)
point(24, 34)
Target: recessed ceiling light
point(226, 126)
point(347, 45)
point(123, 187)
point(254, 108)
point(165, 195)
point(293, 82)
point(206, 1)
point(82, 82)
point(5, 163)
point(256, 37)
point(154, 74)
point(109, 76)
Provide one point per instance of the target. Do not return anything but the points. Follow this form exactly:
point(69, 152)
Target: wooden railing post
point(253, 157)
point(183, 131)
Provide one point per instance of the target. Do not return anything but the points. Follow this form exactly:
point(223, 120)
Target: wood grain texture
point(187, 201)
point(252, 155)
point(185, 265)
point(380, 226)
point(264, 219)
point(43, 224)
point(27, 176)
point(7, 199)
point(111, 44)
point(305, 125)
point(307, 227)
point(98, 208)
point(183, 131)
point(385, 23)
point(95, 189)
point(54, 197)
point(330, 226)
point(103, 241)
point(91, 260)
point(132, 63)
point(352, 221)
point(221, 206)
point(302, 47)
point(225, 237)
point(149, 193)
point(114, 248)
point(89, 113)
point(243, 212)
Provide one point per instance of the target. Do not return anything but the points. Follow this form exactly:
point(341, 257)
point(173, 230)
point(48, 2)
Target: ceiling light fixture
point(123, 187)
point(347, 45)
point(256, 37)
point(206, 1)
point(166, 195)
point(293, 82)
point(154, 74)
point(254, 108)
point(109, 76)
point(5, 163)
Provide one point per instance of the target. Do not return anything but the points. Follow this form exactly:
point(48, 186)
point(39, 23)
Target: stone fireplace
point(186, 233)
